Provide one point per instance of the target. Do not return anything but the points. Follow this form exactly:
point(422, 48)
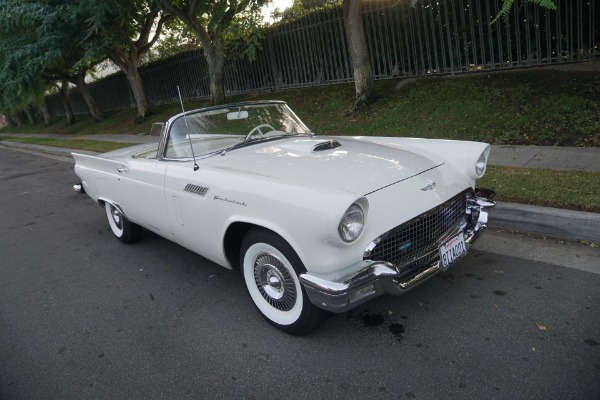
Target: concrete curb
point(555, 222)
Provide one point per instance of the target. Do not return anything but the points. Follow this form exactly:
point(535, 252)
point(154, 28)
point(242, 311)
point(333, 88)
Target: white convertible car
point(314, 223)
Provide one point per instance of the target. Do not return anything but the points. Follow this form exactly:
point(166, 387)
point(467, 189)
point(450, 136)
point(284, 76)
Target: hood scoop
point(328, 145)
point(308, 146)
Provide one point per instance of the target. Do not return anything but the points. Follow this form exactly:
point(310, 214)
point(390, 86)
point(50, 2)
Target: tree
point(125, 31)
point(213, 22)
point(43, 39)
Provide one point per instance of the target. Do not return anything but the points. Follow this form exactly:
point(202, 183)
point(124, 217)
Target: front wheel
point(124, 230)
point(270, 268)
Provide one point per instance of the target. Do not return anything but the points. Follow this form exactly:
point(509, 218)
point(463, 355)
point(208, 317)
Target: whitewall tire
point(123, 229)
point(270, 268)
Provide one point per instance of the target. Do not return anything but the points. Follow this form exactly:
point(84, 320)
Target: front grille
point(419, 236)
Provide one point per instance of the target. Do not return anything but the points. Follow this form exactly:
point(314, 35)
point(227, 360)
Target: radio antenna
point(187, 129)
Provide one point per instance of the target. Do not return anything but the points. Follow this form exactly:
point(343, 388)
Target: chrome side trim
point(199, 190)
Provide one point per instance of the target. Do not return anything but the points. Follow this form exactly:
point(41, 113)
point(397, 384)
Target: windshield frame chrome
point(166, 132)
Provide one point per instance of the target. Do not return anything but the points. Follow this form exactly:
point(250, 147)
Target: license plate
point(452, 250)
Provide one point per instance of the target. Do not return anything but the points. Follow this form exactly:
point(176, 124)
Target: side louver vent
point(329, 145)
point(200, 190)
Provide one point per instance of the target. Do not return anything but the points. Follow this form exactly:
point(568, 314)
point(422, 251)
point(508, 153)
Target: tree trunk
point(139, 94)
point(44, 109)
point(217, 85)
point(84, 89)
point(16, 119)
point(64, 98)
point(30, 115)
point(129, 65)
point(359, 53)
point(216, 63)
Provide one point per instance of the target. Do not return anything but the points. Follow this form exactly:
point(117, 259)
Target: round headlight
point(352, 223)
point(480, 165)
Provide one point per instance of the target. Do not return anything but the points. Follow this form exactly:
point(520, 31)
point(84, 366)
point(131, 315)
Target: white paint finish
point(142, 193)
point(284, 186)
point(177, 210)
point(356, 167)
point(463, 154)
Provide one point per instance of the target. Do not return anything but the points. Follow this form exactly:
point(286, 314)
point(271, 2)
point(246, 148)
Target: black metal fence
point(435, 37)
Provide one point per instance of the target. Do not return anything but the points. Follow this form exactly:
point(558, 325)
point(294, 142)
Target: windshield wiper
point(248, 142)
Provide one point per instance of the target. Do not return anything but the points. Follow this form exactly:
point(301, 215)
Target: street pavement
point(574, 225)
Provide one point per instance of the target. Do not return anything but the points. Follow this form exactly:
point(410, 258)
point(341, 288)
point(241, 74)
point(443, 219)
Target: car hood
point(350, 165)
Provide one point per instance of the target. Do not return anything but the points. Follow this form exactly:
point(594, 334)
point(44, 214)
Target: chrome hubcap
point(274, 282)
point(116, 216)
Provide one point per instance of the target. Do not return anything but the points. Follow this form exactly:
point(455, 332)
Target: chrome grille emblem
point(430, 186)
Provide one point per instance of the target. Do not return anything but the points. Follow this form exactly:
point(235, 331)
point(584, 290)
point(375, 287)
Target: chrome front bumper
point(375, 278)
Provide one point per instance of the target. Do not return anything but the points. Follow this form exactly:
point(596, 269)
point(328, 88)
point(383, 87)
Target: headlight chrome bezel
point(352, 223)
point(481, 165)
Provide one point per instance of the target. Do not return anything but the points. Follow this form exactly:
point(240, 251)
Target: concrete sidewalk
point(568, 224)
point(564, 158)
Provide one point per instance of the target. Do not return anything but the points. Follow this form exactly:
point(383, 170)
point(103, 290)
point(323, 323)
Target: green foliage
point(507, 5)
point(114, 23)
point(230, 21)
point(40, 42)
point(300, 8)
point(177, 38)
point(19, 82)
point(246, 33)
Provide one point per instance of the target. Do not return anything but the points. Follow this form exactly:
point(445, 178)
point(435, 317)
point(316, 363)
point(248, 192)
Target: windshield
point(214, 130)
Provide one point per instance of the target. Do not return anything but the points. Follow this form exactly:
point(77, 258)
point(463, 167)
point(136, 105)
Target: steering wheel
point(256, 130)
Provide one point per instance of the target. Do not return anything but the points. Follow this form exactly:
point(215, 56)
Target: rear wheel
point(125, 230)
point(270, 268)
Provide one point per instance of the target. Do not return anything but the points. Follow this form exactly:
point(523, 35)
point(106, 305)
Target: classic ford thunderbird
point(315, 224)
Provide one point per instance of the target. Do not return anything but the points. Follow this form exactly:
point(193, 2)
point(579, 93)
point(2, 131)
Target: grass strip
point(574, 190)
point(77, 144)
point(524, 107)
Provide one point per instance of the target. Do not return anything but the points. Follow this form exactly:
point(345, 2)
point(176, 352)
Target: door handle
point(121, 169)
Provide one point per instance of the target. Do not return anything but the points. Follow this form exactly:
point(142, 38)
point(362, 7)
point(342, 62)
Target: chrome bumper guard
point(78, 188)
point(375, 278)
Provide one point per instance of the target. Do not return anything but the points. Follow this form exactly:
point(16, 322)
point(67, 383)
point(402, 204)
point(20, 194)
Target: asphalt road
point(84, 316)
